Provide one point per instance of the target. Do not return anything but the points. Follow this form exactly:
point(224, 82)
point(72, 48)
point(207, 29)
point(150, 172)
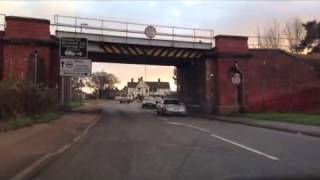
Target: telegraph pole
point(145, 72)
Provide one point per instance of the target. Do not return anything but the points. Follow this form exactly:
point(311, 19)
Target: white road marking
point(246, 147)
point(189, 125)
point(228, 141)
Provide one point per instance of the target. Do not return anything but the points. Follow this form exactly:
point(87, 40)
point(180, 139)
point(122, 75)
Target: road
point(133, 143)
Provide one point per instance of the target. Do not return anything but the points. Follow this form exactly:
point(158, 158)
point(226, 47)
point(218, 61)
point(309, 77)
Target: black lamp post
point(35, 66)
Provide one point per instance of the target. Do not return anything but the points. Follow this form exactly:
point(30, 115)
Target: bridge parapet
point(132, 30)
point(2, 22)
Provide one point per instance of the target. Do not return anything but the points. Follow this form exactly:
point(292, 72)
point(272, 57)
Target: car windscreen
point(171, 101)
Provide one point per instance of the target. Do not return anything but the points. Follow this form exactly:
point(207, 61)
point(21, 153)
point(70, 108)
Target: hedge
point(22, 98)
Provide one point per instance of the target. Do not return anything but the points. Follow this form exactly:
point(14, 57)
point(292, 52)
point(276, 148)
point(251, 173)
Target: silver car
point(148, 102)
point(171, 106)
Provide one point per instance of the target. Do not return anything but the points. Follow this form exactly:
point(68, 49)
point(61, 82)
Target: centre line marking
point(228, 141)
point(246, 147)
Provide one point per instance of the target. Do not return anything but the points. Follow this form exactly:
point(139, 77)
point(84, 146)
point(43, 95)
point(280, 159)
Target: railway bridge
point(216, 73)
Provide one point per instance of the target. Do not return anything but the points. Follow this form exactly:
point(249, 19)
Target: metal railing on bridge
point(131, 30)
point(2, 21)
point(137, 30)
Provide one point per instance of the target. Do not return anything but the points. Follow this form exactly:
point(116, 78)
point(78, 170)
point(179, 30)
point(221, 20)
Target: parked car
point(125, 99)
point(157, 99)
point(148, 102)
point(117, 98)
point(171, 106)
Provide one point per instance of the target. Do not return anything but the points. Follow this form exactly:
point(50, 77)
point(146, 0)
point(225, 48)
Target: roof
point(158, 85)
point(151, 84)
point(132, 84)
point(19, 18)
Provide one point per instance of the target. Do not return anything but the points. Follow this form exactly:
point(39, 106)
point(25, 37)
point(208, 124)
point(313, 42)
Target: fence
point(132, 30)
point(272, 43)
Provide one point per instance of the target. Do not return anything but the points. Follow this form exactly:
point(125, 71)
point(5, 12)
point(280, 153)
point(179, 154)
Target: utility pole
point(145, 72)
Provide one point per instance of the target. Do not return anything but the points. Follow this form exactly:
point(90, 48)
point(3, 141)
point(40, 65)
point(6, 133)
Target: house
point(148, 88)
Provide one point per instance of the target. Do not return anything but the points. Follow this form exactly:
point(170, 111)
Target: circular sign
point(236, 79)
point(69, 64)
point(150, 31)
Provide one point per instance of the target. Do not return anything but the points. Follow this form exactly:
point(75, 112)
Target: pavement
point(133, 143)
point(282, 126)
point(24, 151)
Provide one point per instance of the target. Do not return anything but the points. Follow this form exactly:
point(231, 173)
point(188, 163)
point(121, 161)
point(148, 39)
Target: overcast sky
point(224, 17)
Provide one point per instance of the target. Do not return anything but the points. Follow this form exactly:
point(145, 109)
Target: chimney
point(131, 79)
point(159, 80)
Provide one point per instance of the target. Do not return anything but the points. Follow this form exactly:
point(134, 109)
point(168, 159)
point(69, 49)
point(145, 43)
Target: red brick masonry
point(272, 80)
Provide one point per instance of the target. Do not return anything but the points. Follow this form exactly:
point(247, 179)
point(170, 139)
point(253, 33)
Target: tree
point(259, 39)
point(272, 35)
point(175, 76)
point(277, 35)
point(100, 81)
point(294, 33)
point(312, 38)
point(77, 85)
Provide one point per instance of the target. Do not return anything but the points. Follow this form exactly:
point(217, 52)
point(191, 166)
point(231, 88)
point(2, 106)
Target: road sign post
point(74, 62)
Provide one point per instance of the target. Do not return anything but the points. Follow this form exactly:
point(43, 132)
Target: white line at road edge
point(188, 125)
point(227, 140)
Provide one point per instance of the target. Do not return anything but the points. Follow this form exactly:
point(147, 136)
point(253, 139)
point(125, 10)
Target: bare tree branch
point(294, 32)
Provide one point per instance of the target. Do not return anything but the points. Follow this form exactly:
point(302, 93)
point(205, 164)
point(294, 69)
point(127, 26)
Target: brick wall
point(273, 80)
point(1, 55)
point(231, 44)
point(276, 81)
point(21, 27)
point(22, 37)
point(54, 66)
point(18, 61)
point(192, 81)
point(225, 88)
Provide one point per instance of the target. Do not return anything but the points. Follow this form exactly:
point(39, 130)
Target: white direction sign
point(75, 67)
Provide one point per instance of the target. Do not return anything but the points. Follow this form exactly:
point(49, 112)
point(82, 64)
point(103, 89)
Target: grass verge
point(35, 119)
point(306, 119)
point(75, 104)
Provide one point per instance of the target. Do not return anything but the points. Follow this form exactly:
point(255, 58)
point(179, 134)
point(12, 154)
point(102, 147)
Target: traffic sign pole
point(74, 62)
point(62, 90)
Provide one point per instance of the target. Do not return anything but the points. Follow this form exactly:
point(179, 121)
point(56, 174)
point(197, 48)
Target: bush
point(20, 122)
point(22, 98)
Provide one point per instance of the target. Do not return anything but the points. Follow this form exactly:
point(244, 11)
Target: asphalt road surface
point(133, 143)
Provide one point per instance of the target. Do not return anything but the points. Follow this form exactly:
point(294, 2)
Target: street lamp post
point(35, 66)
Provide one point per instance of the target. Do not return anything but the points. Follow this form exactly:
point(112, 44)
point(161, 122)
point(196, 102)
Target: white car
point(148, 102)
point(125, 99)
point(171, 106)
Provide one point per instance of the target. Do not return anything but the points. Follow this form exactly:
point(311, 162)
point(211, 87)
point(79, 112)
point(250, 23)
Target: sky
point(224, 17)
